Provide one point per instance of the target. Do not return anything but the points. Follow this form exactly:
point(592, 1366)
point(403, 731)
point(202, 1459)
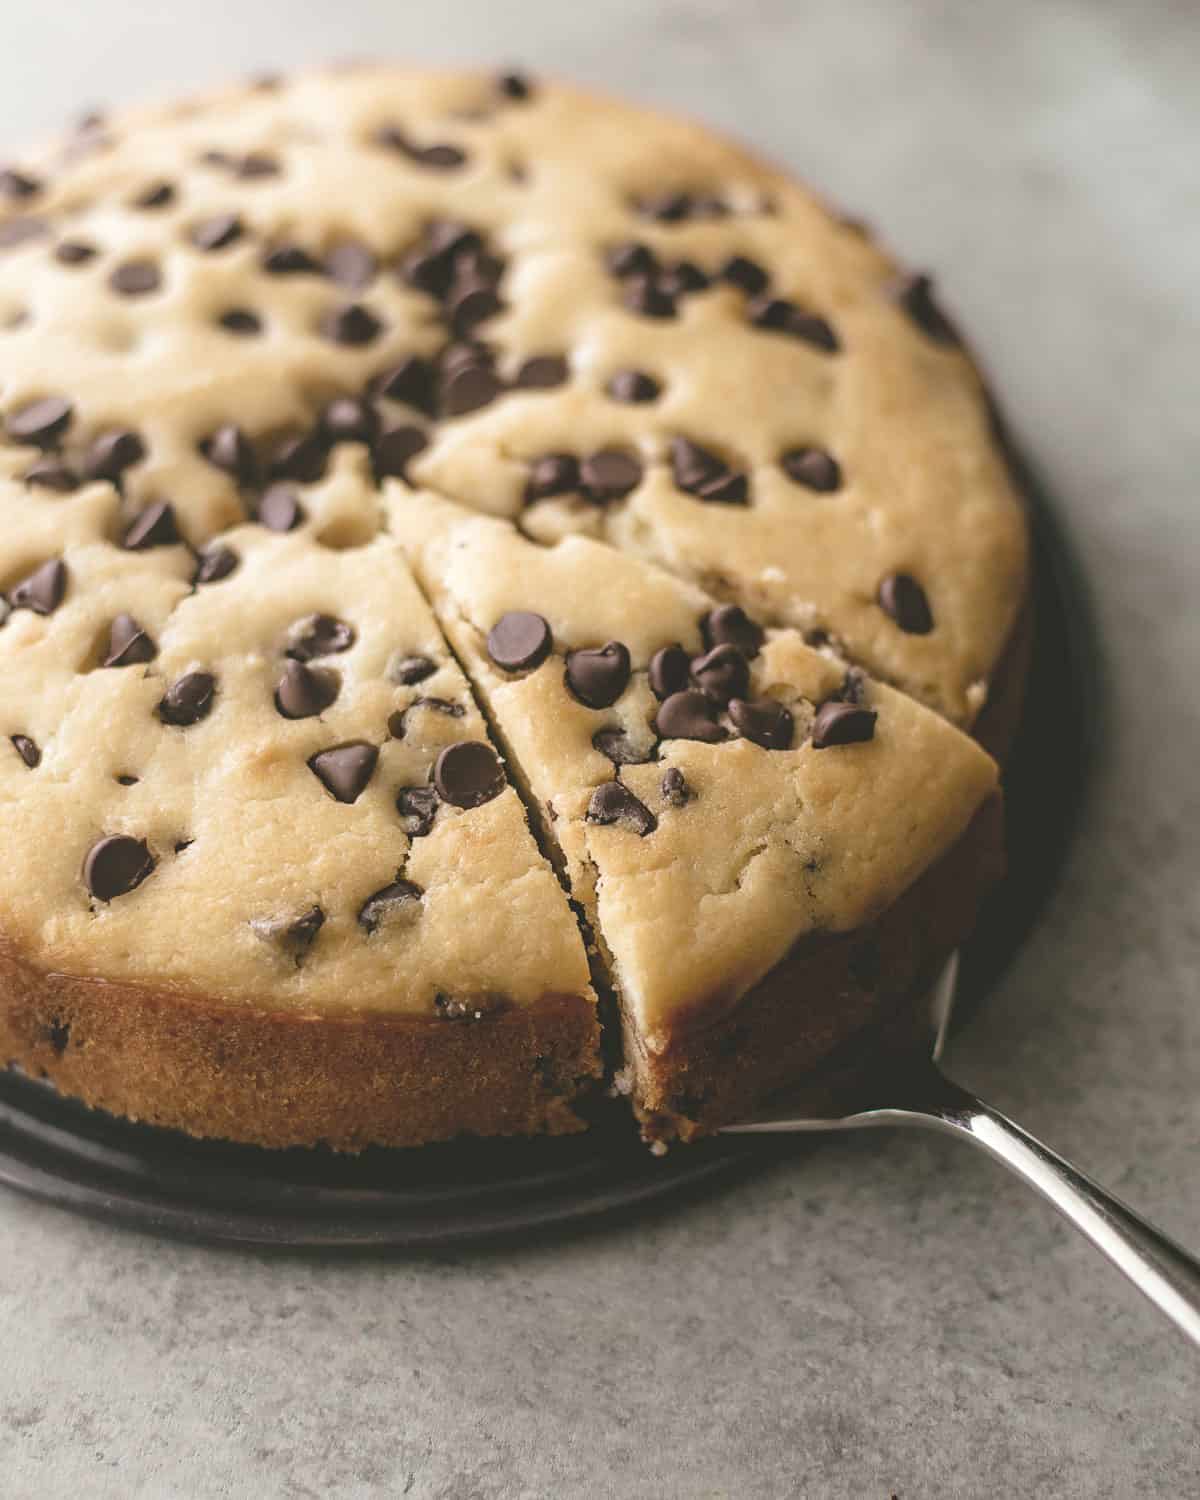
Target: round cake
point(492, 579)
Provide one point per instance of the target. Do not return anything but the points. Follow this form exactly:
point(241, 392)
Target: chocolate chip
point(319, 635)
point(764, 721)
point(903, 599)
point(385, 906)
point(633, 386)
point(398, 722)
point(128, 644)
point(515, 86)
point(722, 673)
point(632, 259)
point(348, 420)
point(27, 750)
point(188, 700)
point(747, 275)
point(75, 253)
point(700, 472)
point(599, 677)
point(681, 278)
point(351, 264)
point(468, 774)
point(668, 208)
point(155, 195)
point(730, 624)
point(542, 373)
point(411, 381)
point(407, 670)
point(915, 295)
point(22, 231)
point(553, 474)
point(353, 325)
point(777, 315)
point(294, 935)
point(135, 278)
point(257, 164)
point(42, 591)
point(396, 447)
point(303, 692)
point(280, 509)
point(466, 388)
point(609, 475)
point(441, 157)
point(345, 770)
point(645, 296)
point(417, 806)
point(674, 787)
point(288, 259)
point(813, 468)
point(613, 803)
point(18, 185)
point(519, 641)
point(302, 458)
point(41, 422)
point(853, 688)
point(116, 865)
point(669, 671)
point(469, 304)
point(112, 453)
point(689, 715)
point(619, 748)
point(53, 474)
point(217, 232)
point(231, 450)
point(126, 780)
point(155, 526)
point(240, 321)
point(840, 723)
point(215, 563)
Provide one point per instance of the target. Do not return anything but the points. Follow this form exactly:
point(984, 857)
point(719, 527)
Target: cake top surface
point(229, 327)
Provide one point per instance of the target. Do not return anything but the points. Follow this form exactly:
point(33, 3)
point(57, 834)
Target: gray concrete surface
point(880, 1316)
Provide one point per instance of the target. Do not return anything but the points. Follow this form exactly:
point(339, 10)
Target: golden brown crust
point(274, 1078)
point(835, 985)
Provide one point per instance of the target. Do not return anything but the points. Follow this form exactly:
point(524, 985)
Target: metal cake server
point(915, 1091)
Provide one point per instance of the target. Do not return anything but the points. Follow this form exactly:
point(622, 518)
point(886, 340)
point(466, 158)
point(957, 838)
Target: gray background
point(881, 1315)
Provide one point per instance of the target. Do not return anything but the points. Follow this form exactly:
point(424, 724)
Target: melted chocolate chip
point(613, 803)
point(217, 232)
point(290, 260)
point(188, 700)
point(240, 321)
point(813, 468)
point(42, 591)
point(442, 157)
point(674, 787)
point(903, 599)
point(633, 386)
point(155, 526)
point(599, 677)
point(398, 722)
point(27, 750)
point(840, 723)
point(110, 454)
point(75, 253)
point(468, 774)
point(554, 474)
point(116, 865)
point(722, 673)
point(351, 264)
point(135, 278)
point(231, 450)
point(215, 563)
point(319, 635)
point(619, 748)
point(53, 474)
point(40, 422)
point(700, 472)
point(683, 277)
point(345, 770)
point(689, 715)
point(390, 904)
point(155, 195)
point(303, 692)
point(280, 509)
point(648, 297)
point(395, 448)
point(915, 295)
point(746, 274)
point(417, 806)
point(764, 721)
point(256, 164)
point(542, 373)
point(669, 671)
point(729, 623)
point(519, 641)
point(632, 259)
point(609, 475)
point(353, 325)
point(18, 185)
point(777, 315)
point(128, 644)
point(294, 935)
point(407, 670)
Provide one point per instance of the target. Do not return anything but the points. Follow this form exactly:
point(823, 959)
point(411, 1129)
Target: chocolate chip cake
point(470, 547)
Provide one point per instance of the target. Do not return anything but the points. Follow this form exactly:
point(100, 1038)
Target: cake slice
point(770, 849)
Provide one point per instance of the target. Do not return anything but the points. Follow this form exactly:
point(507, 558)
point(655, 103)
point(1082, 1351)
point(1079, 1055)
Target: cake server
point(915, 1091)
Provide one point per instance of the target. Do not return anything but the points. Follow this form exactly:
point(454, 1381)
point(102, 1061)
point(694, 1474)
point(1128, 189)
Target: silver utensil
point(917, 1092)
